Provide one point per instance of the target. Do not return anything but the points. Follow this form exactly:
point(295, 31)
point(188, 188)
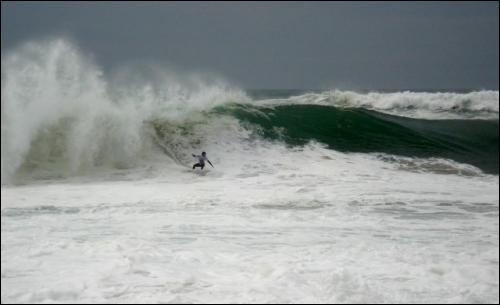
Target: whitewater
point(316, 197)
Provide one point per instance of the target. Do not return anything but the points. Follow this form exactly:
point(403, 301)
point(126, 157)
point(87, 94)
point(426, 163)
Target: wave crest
point(421, 105)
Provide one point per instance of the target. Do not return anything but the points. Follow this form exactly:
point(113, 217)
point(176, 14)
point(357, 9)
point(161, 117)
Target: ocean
point(316, 196)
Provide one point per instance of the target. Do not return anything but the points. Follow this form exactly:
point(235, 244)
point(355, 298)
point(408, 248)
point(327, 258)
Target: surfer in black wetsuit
point(201, 160)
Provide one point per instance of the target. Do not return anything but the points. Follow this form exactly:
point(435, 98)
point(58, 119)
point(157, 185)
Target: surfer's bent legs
point(199, 165)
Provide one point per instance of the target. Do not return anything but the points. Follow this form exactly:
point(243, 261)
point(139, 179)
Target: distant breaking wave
point(420, 105)
point(61, 116)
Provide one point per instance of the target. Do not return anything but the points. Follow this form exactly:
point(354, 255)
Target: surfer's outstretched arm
point(210, 163)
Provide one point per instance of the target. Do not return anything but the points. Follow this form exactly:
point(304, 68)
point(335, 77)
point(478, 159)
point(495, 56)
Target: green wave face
point(473, 142)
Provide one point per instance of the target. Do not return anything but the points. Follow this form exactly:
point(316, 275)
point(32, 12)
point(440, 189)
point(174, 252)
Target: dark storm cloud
point(282, 45)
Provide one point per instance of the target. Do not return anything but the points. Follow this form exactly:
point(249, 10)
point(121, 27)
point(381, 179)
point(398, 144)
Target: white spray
point(58, 109)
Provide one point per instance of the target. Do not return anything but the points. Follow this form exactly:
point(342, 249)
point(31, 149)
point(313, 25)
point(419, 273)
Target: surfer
point(201, 160)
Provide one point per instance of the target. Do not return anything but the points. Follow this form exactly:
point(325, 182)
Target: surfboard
point(197, 171)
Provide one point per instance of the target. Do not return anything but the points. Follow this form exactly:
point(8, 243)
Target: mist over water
point(316, 196)
point(59, 110)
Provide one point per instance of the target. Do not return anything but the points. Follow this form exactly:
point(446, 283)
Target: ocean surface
point(316, 196)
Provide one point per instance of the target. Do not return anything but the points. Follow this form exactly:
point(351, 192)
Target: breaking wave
point(62, 116)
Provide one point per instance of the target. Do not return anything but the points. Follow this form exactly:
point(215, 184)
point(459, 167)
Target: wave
point(360, 130)
point(62, 116)
point(421, 105)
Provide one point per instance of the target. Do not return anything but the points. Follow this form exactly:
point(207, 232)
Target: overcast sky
point(372, 45)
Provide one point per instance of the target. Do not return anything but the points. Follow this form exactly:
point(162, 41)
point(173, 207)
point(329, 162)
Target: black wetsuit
point(201, 161)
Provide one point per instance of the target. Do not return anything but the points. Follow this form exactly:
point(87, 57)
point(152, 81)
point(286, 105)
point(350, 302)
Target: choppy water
point(331, 196)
